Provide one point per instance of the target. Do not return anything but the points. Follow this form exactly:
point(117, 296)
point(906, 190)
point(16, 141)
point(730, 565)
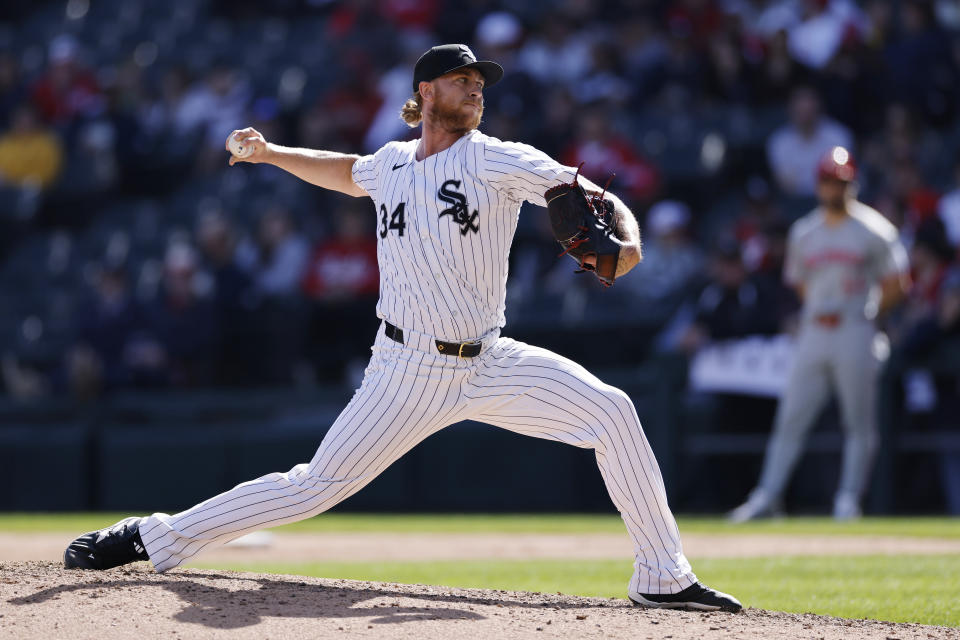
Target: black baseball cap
point(445, 58)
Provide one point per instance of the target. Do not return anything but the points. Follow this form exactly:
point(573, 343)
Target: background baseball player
point(848, 266)
point(447, 207)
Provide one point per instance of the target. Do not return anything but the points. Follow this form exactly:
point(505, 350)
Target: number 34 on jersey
point(396, 223)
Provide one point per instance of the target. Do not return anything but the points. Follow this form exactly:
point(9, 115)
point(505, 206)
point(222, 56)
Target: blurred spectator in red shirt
point(342, 281)
point(344, 265)
point(930, 258)
point(350, 108)
point(413, 15)
point(756, 228)
point(906, 199)
point(604, 152)
point(697, 19)
point(67, 90)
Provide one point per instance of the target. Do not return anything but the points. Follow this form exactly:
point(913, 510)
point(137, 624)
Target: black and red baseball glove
point(583, 224)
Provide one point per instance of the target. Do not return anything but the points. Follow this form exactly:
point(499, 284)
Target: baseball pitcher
point(447, 207)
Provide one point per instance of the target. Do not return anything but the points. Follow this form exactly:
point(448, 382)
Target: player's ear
point(426, 90)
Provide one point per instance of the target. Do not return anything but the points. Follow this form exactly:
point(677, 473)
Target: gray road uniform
point(840, 268)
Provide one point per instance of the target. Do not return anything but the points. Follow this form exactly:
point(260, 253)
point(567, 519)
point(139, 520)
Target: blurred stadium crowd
point(131, 256)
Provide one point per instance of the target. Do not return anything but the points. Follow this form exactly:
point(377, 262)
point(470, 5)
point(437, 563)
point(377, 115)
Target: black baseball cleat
point(697, 597)
point(107, 548)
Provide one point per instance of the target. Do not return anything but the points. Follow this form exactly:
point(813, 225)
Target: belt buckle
point(467, 344)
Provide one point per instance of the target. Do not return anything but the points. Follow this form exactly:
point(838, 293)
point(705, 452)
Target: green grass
point(926, 527)
point(507, 523)
point(897, 588)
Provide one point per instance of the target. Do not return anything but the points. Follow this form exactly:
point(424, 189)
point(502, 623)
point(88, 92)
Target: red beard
point(456, 118)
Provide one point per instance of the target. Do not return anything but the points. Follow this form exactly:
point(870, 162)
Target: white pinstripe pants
point(410, 392)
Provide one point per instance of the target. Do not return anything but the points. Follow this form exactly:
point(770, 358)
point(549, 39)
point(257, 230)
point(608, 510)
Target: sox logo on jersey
point(443, 274)
point(458, 209)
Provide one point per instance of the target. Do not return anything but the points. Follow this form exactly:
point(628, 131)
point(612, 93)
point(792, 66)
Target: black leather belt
point(459, 349)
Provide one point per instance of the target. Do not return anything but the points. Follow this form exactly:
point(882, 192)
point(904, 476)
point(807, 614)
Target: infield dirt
point(43, 600)
point(423, 547)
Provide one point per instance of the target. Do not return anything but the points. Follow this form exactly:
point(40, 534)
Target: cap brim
point(491, 71)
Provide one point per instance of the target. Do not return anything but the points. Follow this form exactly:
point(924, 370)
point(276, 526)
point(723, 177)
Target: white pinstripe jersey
point(445, 225)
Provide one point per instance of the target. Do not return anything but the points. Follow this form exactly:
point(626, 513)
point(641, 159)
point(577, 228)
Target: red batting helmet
point(837, 164)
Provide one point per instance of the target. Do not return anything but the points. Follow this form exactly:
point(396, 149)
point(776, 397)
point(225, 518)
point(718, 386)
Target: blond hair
point(412, 111)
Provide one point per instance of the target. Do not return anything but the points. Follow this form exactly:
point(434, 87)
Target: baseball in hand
point(239, 149)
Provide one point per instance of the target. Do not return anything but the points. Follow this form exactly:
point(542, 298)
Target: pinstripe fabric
point(399, 403)
point(443, 273)
point(536, 392)
point(447, 283)
point(409, 393)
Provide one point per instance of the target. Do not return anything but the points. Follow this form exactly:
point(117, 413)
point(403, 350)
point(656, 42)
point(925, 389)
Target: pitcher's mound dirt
point(42, 600)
